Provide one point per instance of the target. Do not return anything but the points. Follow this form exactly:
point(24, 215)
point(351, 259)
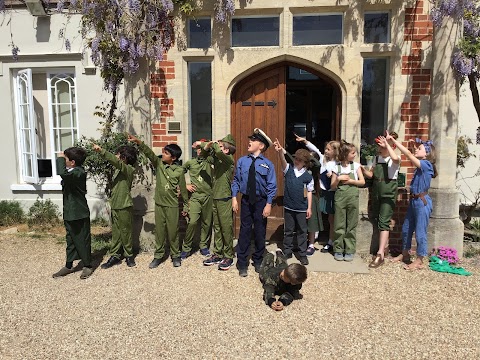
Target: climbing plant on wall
point(466, 59)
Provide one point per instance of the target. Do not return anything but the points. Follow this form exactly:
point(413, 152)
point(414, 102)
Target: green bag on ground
point(437, 264)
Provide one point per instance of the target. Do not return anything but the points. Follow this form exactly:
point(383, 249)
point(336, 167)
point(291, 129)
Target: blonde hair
point(335, 146)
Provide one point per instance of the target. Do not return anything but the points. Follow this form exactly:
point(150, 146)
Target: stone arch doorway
point(284, 99)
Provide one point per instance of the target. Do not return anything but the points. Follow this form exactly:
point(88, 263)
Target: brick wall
point(418, 31)
point(159, 89)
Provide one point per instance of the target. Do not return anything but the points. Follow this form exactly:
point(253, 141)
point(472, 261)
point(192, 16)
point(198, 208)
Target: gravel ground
point(198, 312)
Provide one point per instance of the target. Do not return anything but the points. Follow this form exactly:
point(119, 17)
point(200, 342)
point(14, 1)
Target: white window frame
point(256, 17)
point(51, 74)
point(389, 35)
point(342, 14)
point(27, 181)
point(26, 74)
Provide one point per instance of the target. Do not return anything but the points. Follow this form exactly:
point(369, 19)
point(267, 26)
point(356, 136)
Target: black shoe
point(242, 272)
point(288, 255)
point(112, 261)
point(131, 261)
point(154, 264)
point(177, 262)
point(327, 248)
point(257, 267)
point(304, 260)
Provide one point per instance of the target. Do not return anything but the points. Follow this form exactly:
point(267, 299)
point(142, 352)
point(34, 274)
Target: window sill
point(35, 187)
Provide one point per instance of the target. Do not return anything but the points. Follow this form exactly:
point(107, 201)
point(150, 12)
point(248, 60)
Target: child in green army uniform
point(223, 165)
point(346, 178)
point(200, 203)
point(170, 177)
point(76, 214)
point(121, 204)
point(384, 192)
point(279, 278)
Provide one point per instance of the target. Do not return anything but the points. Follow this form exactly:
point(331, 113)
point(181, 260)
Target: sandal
point(377, 262)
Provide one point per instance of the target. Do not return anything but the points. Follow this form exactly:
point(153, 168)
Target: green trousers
point(200, 208)
point(79, 241)
point(346, 219)
point(122, 222)
point(223, 228)
point(384, 198)
point(166, 229)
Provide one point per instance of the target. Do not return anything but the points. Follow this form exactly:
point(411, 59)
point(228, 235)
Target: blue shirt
point(264, 174)
point(422, 178)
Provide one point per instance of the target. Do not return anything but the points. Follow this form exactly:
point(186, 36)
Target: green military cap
point(229, 139)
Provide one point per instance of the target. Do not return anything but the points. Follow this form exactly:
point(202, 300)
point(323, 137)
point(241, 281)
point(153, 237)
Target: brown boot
point(62, 272)
point(86, 272)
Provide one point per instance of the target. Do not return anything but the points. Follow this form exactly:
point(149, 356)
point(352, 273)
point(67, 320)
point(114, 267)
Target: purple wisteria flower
point(123, 45)
point(15, 51)
point(167, 5)
point(2, 5)
point(60, 5)
point(462, 64)
point(68, 45)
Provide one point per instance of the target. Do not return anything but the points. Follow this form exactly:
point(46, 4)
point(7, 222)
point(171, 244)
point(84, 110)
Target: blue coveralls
point(418, 213)
point(251, 214)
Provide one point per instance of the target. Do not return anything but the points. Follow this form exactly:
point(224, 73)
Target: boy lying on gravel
point(279, 278)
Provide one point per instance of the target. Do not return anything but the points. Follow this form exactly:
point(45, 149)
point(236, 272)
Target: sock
point(330, 242)
point(311, 246)
point(69, 264)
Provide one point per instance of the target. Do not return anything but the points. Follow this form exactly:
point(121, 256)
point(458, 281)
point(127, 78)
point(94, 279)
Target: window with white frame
point(47, 121)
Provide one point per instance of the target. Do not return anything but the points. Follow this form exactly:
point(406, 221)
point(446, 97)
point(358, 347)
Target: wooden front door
point(259, 102)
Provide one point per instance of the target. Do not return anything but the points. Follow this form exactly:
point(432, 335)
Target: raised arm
point(112, 159)
point(279, 149)
point(154, 159)
point(404, 151)
point(393, 155)
point(62, 170)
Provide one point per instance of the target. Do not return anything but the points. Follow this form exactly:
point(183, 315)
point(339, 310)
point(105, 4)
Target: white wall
point(468, 182)
point(40, 49)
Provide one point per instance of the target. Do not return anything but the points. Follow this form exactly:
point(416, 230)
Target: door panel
point(259, 101)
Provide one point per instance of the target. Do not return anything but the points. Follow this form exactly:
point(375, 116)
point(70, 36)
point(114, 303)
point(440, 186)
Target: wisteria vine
point(466, 59)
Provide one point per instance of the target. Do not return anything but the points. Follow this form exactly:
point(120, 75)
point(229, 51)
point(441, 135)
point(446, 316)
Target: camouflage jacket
point(273, 285)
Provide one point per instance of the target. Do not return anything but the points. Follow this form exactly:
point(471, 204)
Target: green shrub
point(101, 242)
point(100, 221)
point(43, 214)
point(11, 213)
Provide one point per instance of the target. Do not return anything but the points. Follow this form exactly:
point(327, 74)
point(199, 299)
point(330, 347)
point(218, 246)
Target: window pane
point(26, 138)
point(377, 28)
point(66, 139)
point(64, 116)
point(200, 33)
point(63, 90)
point(317, 30)
point(28, 165)
point(263, 31)
point(200, 81)
point(24, 114)
point(374, 98)
point(300, 74)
